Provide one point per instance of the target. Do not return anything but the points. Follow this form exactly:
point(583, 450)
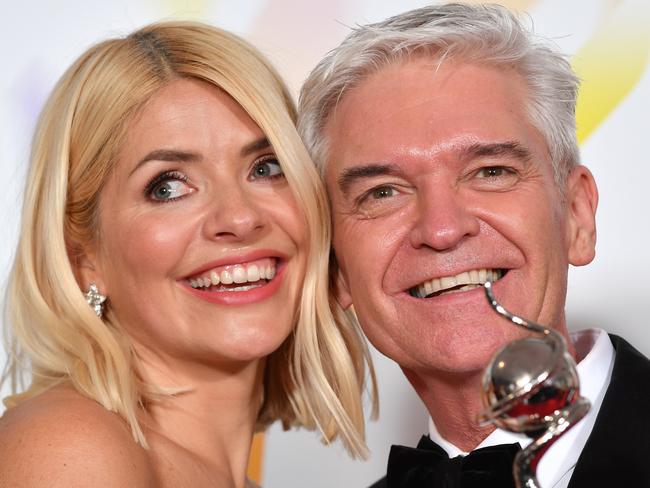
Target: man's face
point(438, 181)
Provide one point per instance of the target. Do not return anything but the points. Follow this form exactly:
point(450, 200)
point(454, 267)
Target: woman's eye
point(266, 168)
point(168, 187)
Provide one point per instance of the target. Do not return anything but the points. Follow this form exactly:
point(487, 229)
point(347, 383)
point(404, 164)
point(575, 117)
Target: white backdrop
point(610, 40)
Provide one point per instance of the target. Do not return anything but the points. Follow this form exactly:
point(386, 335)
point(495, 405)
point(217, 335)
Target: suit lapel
point(616, 453)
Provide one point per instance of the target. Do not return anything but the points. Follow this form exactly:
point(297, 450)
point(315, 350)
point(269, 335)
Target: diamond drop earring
point(95, 300)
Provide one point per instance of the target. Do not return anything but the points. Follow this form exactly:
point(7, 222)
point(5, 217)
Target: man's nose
point(443, 219)
point(234, 215)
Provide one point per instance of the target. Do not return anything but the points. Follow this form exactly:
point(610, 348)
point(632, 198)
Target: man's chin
point(464, 357)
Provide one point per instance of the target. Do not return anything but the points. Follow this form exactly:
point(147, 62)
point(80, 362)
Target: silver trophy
point(531, 386)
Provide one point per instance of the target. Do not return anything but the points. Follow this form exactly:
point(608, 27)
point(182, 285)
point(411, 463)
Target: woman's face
point(202, 247)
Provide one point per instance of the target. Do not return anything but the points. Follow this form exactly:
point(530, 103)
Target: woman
point(169, 288)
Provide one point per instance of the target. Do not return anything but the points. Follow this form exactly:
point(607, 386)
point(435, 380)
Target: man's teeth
point(461, 282)
point(239, 274)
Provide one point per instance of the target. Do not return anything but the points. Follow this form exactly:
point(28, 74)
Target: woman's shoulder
point(61, 438)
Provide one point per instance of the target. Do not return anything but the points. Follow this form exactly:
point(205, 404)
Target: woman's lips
point(253, 273)
point(236, 283)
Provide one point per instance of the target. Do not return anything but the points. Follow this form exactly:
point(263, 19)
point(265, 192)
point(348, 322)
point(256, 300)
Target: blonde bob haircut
point(315, 379)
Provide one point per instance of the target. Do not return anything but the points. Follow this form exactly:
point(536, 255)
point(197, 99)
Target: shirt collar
point(596, 360)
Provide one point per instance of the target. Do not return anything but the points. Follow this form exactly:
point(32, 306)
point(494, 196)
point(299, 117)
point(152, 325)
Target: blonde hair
point(314, 380)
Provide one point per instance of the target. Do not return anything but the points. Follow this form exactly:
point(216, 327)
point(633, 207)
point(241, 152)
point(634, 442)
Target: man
point(446, 138)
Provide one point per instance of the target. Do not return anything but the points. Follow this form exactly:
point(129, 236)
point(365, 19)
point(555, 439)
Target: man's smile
point(467, 280)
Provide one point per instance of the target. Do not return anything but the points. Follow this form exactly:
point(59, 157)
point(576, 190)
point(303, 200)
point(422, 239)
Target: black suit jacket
point(617, 452)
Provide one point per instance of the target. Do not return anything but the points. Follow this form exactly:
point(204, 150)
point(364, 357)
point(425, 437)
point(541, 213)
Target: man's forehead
point(365, 103)
point(415, 82)
point(412, 109)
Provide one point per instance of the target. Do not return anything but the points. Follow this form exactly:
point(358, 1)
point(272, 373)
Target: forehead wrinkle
point(464, 149)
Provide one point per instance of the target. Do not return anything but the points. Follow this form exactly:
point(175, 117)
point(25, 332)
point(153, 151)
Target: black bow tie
point(428, 466)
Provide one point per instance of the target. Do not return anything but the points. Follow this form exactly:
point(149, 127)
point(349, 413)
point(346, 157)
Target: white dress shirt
point(596, 360)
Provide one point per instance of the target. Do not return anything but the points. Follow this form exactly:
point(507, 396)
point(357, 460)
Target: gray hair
point(486, 34)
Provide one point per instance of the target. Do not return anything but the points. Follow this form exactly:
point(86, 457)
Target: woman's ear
point(582, 201)
point(86, 268)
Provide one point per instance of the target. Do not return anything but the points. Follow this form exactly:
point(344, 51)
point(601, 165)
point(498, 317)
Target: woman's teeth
point(253, 273)
point(467, 280)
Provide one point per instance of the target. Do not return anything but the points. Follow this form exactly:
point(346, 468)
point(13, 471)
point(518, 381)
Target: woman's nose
point(234, 215)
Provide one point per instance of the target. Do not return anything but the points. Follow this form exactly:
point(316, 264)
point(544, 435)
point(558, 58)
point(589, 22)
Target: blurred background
point(609, 44)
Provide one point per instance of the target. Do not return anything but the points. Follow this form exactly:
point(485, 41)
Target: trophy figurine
point(531, 386)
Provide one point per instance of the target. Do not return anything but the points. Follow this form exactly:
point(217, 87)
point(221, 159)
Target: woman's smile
point(239, 283)
point(226, 278)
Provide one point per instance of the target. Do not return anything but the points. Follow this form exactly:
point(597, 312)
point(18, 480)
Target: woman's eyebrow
point(167, 155)
point(257, 145)
point(175, 155)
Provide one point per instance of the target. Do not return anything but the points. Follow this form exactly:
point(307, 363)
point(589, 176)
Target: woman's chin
point(247, 349)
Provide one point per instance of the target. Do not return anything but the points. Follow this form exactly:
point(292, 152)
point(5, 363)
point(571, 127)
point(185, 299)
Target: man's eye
point(492, 172)
point(494, 178)
point(381, 200)
point(382, 192)
point(370, 197)
point(167, 187)
point(268, 167)
point(373, 197)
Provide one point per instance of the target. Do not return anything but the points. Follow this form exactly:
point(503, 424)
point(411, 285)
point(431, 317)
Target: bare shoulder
point(60, 438)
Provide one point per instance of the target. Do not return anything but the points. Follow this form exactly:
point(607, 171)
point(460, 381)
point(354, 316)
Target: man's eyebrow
point(167, 155)
point(350, 176)
point(507, 148)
